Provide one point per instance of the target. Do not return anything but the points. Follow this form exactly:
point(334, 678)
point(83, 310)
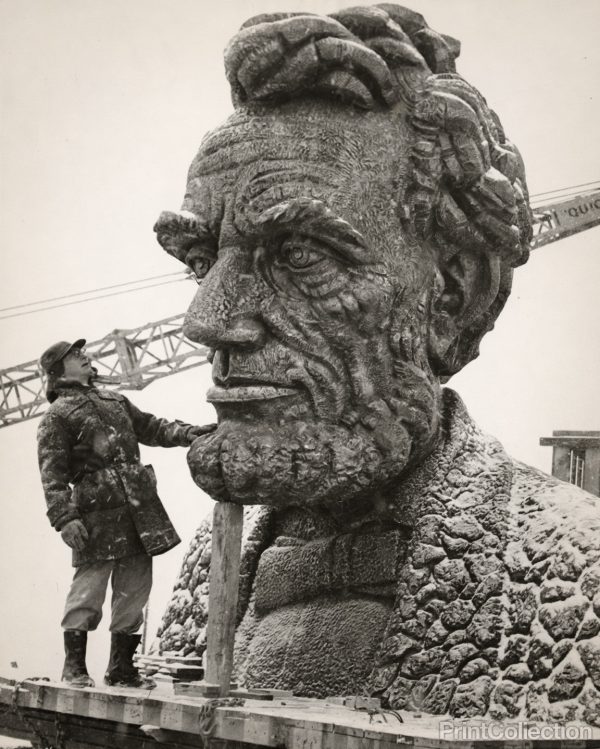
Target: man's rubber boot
point(75, 671)
point(121, 672)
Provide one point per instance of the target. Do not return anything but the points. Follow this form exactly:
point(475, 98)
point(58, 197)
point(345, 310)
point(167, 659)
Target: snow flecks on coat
point(90, 468)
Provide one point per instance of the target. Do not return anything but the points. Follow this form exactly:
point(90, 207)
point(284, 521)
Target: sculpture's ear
point(464, 306)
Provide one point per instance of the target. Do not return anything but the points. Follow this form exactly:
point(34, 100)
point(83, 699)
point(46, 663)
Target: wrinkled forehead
point(336, 155)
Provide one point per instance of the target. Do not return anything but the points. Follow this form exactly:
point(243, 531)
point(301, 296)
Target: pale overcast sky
point(104, 103)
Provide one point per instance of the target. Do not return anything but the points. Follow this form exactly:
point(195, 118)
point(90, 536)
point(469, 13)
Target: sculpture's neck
point(310, 523)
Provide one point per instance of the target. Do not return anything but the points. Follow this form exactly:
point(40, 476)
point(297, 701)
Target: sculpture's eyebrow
point(313, 218)
point(179, 231)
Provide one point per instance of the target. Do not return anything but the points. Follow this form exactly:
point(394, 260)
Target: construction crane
point(561, 218)
point(132, 359)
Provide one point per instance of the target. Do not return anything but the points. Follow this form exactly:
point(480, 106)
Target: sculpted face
point(314, 302)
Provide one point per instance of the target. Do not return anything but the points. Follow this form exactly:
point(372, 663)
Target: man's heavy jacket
point(489, 605)
point(90, 468)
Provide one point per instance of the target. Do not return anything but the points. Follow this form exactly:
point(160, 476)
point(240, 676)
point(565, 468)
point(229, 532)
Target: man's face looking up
point(315, 301)
point(76, 366)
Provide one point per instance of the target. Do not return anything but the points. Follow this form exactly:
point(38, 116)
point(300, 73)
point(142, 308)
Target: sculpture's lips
point(247, 393)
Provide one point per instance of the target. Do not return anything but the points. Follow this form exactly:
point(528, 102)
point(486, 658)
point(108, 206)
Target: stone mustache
point(354, 227)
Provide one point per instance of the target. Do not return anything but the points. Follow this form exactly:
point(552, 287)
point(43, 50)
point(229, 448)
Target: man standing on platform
point(104, 503)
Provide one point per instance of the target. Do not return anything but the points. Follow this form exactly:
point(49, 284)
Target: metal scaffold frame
point(125, 360)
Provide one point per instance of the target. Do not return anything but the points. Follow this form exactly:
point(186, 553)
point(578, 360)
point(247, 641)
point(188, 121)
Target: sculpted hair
point(467, 188)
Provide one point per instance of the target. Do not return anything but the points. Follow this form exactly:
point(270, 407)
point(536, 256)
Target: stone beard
point(306, 462)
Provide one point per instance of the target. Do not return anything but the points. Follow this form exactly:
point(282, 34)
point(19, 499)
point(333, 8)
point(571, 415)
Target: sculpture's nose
point(224, 312)
point(244, 332)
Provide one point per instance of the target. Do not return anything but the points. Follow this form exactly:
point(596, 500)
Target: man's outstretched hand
point(200, 430)
point(74, 534)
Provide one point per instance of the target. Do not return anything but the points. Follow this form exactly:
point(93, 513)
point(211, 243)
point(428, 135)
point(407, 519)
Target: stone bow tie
point(290, 571)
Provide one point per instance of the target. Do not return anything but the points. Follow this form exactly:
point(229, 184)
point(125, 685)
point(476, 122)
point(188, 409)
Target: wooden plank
point(185, 660)
point(260, 731)
point(134, 711)
point(177, 671)
point(14, 728)
point(65, 702)
point(88, 733)
point(233, 727)
point(152, 711)
point(223, 592)
point(40, 694)
point(98, 706)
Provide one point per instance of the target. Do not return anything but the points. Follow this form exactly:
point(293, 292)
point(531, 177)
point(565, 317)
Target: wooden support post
point(223, 593)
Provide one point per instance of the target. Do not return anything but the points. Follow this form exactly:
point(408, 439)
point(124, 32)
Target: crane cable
point(92, 298)
point(571, 188)
point(90, 291)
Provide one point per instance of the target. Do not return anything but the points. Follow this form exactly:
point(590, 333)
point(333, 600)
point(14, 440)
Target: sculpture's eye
point(201, 267)
point(301, 265)
point(198, 262)
point(298, 255)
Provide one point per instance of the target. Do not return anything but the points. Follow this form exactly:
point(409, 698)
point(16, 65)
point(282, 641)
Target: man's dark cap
point(58, 351)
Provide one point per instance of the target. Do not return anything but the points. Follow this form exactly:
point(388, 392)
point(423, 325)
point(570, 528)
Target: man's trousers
point(131, 581)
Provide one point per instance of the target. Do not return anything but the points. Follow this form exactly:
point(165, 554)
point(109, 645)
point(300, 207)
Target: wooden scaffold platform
point(55, 715)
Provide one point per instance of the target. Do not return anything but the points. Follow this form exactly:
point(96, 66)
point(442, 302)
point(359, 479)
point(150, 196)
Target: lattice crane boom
point(560, 219)
point(125, 360)
point(132, 359)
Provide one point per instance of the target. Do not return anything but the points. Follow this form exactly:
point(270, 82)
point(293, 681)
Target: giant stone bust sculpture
point(354, 227)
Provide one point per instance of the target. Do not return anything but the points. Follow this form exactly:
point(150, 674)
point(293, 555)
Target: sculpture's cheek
point(321, 648)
